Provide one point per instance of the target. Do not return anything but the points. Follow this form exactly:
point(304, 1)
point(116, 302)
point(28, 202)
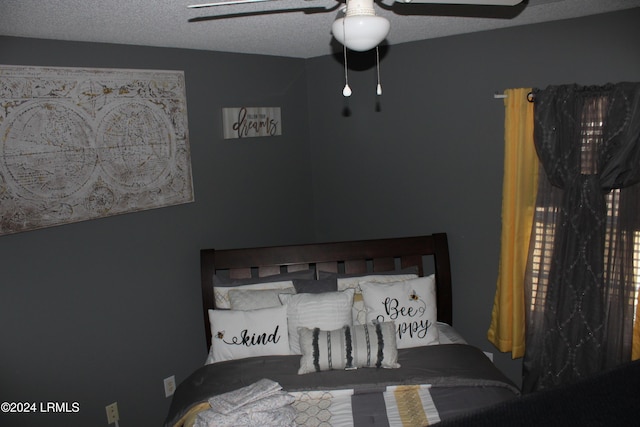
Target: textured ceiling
point(293, 28)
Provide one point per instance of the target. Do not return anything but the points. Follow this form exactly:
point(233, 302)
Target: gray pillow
point(221, 281)
point(329, 275)
point(304, 286)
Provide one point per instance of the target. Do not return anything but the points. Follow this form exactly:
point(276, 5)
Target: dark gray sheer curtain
point(580, 281)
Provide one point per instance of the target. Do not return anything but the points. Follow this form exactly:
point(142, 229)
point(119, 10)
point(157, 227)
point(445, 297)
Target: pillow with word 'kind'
point(411, 304)
point(238, 334)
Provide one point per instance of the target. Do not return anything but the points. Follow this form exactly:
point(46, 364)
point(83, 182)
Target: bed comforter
point(453, 378)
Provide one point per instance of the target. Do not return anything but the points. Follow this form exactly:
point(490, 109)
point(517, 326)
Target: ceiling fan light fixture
point(360, 29)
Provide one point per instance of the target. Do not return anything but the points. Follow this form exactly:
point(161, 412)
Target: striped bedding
point(444, 380)
point(404, 406)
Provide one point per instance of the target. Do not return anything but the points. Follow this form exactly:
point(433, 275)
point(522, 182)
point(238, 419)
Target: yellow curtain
point(507, 330)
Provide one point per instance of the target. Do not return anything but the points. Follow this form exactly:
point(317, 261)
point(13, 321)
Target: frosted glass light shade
point(360, 33)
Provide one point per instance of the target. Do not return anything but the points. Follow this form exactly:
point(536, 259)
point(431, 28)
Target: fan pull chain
point(379, 87)
point(346, 92)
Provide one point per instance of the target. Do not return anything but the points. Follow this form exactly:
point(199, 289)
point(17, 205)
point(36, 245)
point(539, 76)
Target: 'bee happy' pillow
point(411, 304)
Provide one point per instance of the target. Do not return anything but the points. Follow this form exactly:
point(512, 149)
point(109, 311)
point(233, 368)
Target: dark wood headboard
point(363, 256)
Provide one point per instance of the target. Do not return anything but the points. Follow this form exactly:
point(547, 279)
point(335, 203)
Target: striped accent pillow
point(360, 346)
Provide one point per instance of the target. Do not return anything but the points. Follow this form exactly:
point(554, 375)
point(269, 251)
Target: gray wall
point(103, 310)
point(427, 156)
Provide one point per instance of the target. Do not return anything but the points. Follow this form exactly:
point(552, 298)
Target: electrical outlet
point(112, 413)
point(169, 385)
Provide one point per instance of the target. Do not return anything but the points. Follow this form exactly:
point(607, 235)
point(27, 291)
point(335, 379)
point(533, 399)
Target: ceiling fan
point(360, 29)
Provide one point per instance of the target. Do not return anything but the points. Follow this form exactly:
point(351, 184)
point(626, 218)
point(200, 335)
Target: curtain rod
point(531, 97)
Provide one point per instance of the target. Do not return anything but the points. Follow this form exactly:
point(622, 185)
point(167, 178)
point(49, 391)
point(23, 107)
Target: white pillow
point(221, 293)
point(240, 334)
point(327, 311)
point(361, 346)
point(411, 304)
point(243, 299)
point(359, 313)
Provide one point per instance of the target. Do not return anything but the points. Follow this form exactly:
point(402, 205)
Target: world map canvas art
point(80, 144)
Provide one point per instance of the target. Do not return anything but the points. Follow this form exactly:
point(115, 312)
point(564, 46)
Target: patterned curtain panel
point(581, 280)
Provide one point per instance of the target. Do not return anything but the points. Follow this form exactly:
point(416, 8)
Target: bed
point(349, 333)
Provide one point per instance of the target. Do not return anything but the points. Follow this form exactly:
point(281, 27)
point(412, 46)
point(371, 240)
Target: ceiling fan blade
point(225, 3)
point(476, 2)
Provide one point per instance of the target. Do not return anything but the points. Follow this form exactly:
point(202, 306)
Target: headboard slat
point(357, 266)
point(268, 270)
point(298, 267)
point(384, 264)
point(330, 267)
point(240, 273)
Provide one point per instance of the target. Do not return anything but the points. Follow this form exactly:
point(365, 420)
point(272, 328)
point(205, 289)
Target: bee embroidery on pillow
point(414, 297)
point(220, 335)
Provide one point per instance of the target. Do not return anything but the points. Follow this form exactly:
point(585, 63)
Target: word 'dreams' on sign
point(248, 122)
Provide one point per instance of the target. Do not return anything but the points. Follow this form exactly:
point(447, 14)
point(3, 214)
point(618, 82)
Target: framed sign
point(248, 122)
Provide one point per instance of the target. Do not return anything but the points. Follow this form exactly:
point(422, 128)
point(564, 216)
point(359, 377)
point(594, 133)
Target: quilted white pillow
point(327, 311)
point(240, 334)
point(221, 293)
point(243, 299)
point(411, 304)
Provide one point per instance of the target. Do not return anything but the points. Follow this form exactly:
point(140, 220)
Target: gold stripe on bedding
point(410, 406)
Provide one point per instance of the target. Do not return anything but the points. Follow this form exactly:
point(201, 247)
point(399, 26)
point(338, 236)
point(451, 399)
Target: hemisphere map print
point(79, 144)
